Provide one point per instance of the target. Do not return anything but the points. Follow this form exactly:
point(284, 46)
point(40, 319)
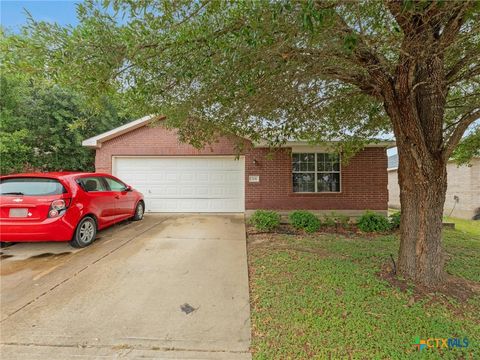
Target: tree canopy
point(274, 70)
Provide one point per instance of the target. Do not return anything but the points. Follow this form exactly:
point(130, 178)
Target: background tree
point(42, 127)
point(311, 69)
point(14, 152)
point(42, 123)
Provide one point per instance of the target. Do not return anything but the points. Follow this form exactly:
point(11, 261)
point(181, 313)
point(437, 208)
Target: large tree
point(318, 70)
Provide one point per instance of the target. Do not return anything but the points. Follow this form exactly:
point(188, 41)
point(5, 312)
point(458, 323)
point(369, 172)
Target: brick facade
point(363, 183)
point(154, 140)
point(363, 180)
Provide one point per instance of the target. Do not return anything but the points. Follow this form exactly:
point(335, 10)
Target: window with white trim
point(316, 172)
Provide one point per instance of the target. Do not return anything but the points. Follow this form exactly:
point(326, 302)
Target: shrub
point(265, 220)
point(395, 221)
point(304, 220)
point(373, 222)
point(328, 221)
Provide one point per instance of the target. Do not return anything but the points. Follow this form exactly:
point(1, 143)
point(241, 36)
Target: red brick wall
point(363, 181)
point(155, 140)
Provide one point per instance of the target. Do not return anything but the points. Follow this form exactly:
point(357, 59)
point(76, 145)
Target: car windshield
point(30, 186)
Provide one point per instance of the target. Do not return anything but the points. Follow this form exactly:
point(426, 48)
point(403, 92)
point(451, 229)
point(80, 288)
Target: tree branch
point(454, 24)
point(395, 8)
point(469, 74)
point(460, 64)
point(458, 132)
point(375, 65)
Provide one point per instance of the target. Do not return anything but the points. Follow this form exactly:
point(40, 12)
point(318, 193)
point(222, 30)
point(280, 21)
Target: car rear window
point(31, 186)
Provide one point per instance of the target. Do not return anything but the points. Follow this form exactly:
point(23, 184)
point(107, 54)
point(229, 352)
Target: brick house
point(176, 177)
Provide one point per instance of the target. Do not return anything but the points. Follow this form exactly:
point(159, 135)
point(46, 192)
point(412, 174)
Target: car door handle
point(117, 197)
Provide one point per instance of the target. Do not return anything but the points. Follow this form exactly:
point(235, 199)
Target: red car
point(64, 206)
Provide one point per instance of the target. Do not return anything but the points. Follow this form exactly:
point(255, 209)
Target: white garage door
point(185, 184)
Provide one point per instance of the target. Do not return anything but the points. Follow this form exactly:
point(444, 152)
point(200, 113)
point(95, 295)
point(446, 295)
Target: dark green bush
point(304, 220)
point(395, 221)
point(265, 220)
point(373, 222)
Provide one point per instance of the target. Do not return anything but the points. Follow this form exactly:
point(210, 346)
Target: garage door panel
point(199, 190)
point(188, 177)
point(186, 184)
point(186, 205)
point(172, 176)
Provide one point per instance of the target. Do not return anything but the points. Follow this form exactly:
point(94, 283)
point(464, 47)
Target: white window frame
point(316, 172)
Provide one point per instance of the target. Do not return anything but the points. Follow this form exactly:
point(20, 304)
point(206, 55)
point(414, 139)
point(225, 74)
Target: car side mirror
point(128, 188)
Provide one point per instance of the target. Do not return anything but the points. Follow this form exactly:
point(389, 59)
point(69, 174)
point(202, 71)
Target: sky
point(13, 16)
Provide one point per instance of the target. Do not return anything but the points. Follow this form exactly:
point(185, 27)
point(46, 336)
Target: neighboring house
point(176, 177)
point(463, 191)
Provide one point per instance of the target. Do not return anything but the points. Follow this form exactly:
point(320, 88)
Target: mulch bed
point(286, 229)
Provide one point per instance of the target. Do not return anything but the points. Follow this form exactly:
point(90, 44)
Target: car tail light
point(58, 207)
point(53, 213)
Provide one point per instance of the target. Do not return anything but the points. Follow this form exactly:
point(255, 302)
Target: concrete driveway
point(168, 287)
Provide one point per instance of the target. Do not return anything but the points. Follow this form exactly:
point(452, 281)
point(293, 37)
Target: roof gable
point(96, 141)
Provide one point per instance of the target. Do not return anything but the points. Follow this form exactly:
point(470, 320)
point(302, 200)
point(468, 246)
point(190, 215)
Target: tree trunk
point(422, 197)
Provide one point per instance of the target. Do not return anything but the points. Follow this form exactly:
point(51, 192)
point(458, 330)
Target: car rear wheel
point(139, 211)
point(85, 233)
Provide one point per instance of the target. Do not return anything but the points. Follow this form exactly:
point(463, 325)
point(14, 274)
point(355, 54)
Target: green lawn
point(320, 297)
point(465, 226)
